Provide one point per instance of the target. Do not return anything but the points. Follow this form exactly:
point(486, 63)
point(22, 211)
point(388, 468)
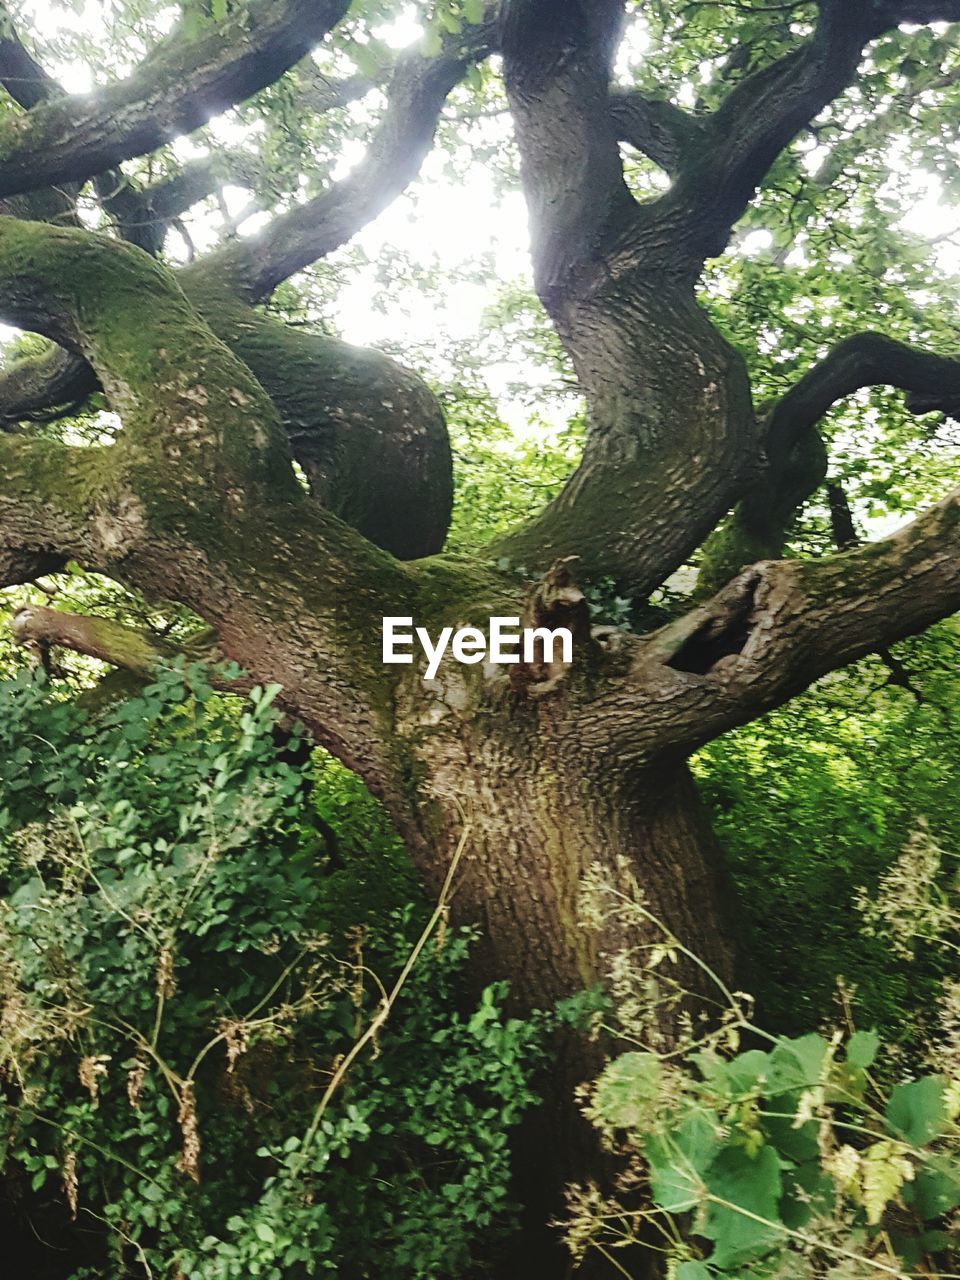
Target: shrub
point(181, 974)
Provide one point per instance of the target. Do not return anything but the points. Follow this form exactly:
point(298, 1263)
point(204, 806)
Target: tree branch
point(892, 13)
point(27, 83)
point(416, 94)
point(194, 418)
point(177, 88)
point(100, 638)
point(795, 456)
point(761, 116)
point(776, 629)
point(44, 388)
point(319, 94)
point(144, 215)
point(47, 513)
point(557, 62)
point(864, 360)
point(665, 133)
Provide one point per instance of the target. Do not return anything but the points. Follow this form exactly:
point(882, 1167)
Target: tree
point(552, 767)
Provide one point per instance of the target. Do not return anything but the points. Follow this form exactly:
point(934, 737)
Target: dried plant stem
point(385, 1007)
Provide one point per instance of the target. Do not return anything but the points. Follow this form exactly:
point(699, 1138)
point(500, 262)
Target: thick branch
point(417, 92)
point(865, 360)
point(193, 415)
point(44, 388)
point(20, 74)
point(557, 62)
point(175, 90)
point(894, 12)
point(762, 115)
point(47, 511)
point(369, 434)
point(663, 132)
point(672, 440)
point(100, 638)
point(796, 458)
point(775, 630)
point(319, 94)
point(144, 215)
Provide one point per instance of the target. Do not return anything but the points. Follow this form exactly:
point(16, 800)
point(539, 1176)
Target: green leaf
point(916, 1112)
point(796, 1064)
point(750, 1189)
point(862, 1049)
point(692, 1271)
point(935, 1191)
point(473, 11)
point(746, 1071)
point(808, 1193)
point(679, 1160)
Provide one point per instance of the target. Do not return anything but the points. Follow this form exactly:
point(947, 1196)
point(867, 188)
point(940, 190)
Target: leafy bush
point(180, 977)
point(814, 804)
point(758, 1156)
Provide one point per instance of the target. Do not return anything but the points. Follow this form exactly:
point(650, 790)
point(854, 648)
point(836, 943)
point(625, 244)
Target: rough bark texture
point(179, 87)
point(553, 768)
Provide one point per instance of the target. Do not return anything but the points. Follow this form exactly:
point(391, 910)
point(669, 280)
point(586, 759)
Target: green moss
point(369, 434)
point(196, 421)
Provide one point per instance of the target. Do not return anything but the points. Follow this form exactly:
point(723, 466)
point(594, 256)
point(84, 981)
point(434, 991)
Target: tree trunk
point(540, 816)
point(541, 810)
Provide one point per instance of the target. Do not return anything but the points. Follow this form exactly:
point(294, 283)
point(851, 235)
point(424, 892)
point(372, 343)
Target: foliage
point(814, 804)
point(181, 973)
point(762, 1156)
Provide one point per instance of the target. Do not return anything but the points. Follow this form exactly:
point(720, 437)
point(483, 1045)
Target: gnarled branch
point(191, 415)
point(418, 89)
point(21, 75)
point(176, 89)
point(557, 63)
point(37, 626)
point(796, 458)
point(665, 133)
point(44, 388)
point(776, 629)
point(144, 215)
point(865, 360)
point(761, 116)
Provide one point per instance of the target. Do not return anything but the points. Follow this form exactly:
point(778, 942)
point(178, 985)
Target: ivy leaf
point(473, 11)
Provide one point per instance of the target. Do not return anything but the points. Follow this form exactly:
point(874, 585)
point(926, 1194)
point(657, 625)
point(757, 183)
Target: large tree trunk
point(542, 812)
